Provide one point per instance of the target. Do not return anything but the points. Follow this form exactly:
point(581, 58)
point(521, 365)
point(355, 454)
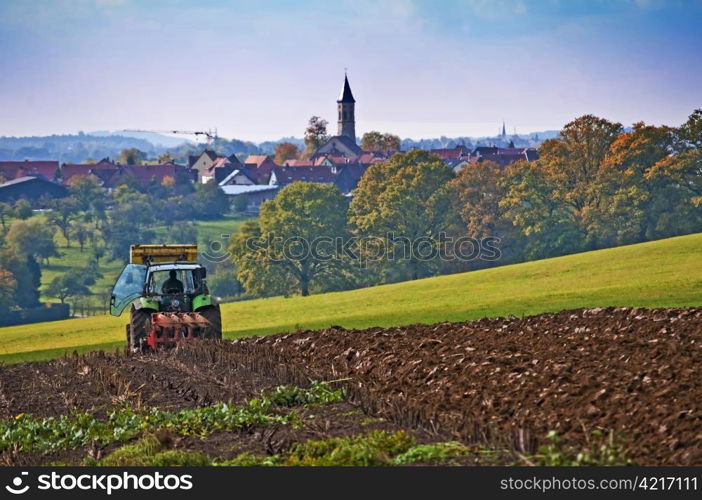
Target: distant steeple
point(346, 125)
point(346, 96)
point(504, 130)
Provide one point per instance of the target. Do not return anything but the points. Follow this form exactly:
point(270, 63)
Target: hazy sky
point(259, 69)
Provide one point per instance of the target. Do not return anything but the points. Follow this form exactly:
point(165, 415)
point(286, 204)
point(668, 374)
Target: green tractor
point(170, 302)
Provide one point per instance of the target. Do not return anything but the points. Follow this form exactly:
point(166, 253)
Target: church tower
point(345, 106)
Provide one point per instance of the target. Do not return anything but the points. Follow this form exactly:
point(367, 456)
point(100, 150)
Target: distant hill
point(165, 141)
point(71, 148)
point(81, 147)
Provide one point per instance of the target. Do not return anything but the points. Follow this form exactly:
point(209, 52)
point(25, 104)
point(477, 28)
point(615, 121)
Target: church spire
point(346, 95)
point(504, 130)
point(346, 125)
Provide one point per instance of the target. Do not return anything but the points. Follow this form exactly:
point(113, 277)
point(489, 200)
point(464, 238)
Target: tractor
point(170, 302)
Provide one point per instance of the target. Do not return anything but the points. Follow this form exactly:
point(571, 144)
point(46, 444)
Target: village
point(339, 160)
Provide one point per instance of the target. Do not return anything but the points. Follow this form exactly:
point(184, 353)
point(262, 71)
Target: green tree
point(286, 151)
point(27, 274)
point(377, 141)
point(405, 203)
point(208, 201)
point(298, 229)
point(315, 135)
point(63, 212)
point(82, 233)
point(254, 269)
point(224, 283)
point(684, 169)
point(85, 191)
point(540, 217)
point(98, 253)
point(32, 237)
point(166, 157)
point(131, 156)
point(67, 285)
point(183, 233)
point(240, 204)
point(23, 209)
point(5, 212)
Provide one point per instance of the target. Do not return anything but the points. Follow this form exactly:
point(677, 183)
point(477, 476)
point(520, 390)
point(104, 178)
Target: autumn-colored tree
point(315, 135)
point(405, 203)
point(8, 285)
point(637, 206)
point(567, 186)
point(286, 151)
point(377, 141)
point(168, 183)
point(476, 193)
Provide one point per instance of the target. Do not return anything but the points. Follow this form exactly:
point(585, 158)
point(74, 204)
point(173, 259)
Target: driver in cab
point(172, 284)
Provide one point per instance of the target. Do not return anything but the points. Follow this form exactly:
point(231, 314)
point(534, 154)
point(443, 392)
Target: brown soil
point(503, 382)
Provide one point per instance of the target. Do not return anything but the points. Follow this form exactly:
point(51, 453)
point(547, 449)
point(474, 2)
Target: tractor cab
point(167, 291)
point(175, 286)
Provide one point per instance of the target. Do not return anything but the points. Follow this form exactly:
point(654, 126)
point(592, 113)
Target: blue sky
point(258, 70)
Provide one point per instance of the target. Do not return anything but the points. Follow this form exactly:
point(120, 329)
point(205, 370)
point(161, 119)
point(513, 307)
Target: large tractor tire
point(213, 330)
point(139, 327)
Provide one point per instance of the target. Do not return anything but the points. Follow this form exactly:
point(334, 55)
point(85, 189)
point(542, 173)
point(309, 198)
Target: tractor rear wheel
point(139, 327)
point(213, 330)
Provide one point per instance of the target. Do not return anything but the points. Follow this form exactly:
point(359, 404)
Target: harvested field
point(500, 383)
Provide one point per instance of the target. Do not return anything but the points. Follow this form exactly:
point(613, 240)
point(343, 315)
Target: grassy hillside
point(663, 273)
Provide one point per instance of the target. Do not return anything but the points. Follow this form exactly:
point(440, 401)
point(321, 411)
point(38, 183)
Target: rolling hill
point(664, 273)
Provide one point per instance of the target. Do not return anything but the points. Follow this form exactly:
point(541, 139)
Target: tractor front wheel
point(213, 330)
point(139, 327)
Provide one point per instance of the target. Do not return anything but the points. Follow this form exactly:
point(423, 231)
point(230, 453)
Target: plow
point(168, 328)
point(166, 291)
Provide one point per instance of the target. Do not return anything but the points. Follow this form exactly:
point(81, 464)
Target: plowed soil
point(502, 381)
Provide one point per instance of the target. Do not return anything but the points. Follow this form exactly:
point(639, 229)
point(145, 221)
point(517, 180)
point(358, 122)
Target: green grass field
point(665, 273)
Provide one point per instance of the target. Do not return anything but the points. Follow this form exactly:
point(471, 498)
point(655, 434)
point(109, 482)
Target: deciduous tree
point(405, 202)
point(315, 135)
point(131, 156)
point(286, 151)
point(295, 246)
point(377, 141)
point(32, 237)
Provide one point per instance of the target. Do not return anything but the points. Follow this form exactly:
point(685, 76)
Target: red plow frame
point(169, 328)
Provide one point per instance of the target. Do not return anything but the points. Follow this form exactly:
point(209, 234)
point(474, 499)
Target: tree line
point(594, 186)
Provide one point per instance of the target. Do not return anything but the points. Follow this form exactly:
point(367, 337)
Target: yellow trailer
point(154, 254)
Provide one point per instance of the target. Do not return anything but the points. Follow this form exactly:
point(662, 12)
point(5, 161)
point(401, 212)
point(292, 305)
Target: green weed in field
point(432, 453)
point(26, 433)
